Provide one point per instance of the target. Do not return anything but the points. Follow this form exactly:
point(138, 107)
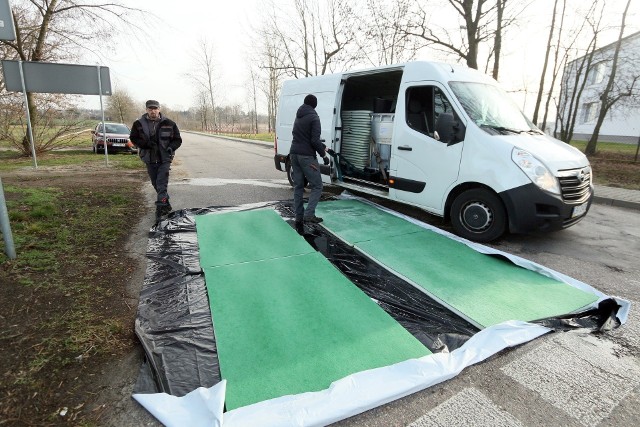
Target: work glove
point(331, 152)
point(325, 160)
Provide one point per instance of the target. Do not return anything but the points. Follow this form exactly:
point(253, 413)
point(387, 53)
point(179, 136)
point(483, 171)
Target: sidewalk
point(616, 197)
point(604, 195)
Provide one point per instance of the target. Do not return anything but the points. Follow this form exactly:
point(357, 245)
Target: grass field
point(10, 160)
point(63, 303)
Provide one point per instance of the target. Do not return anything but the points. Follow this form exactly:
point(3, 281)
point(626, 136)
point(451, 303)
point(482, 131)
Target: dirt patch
point(68, 350)
point(616, 170)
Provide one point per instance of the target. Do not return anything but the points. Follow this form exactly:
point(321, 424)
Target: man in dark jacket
point(304, 163)
point(157, 139)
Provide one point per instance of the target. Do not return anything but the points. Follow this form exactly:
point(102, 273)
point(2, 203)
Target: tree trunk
point(544, 66)
point(497, 42)
point(606, 104)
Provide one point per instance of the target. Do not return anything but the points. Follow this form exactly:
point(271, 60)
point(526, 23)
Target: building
point(622, 123)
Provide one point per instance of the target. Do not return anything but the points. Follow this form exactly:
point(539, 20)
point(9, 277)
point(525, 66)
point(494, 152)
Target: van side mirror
point(449, 130)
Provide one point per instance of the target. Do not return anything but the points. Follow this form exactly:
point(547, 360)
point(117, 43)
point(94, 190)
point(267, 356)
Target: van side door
point(423, 166)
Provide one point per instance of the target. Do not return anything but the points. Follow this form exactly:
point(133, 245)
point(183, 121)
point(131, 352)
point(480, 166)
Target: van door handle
point(405, 148)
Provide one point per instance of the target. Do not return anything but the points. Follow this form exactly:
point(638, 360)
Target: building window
point(596, 73)
point(590, 112)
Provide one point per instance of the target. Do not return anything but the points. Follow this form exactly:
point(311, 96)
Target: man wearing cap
point(157, 139)
point(304, 163)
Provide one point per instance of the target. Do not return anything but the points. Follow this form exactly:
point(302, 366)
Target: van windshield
point(492, 109)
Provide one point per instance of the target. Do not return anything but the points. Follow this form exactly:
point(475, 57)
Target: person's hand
point(331, 152)
point(170, 152)
point(325, 159)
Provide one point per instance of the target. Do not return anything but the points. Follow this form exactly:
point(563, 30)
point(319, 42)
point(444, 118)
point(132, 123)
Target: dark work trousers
point(159, 174)
point(305, 167)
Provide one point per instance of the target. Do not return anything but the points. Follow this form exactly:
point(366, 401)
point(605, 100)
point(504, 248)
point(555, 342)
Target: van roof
point(413, 71)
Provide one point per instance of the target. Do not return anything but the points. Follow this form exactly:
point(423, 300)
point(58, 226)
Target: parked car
point(117, 139)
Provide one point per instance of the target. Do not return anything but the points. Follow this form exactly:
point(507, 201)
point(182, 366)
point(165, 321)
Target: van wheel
point(478, 215)
point(289, 170)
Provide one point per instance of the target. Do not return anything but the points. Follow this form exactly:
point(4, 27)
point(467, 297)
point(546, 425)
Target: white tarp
point(346, 397)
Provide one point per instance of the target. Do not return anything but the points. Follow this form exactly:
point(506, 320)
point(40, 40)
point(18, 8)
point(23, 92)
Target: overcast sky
point(155, 62)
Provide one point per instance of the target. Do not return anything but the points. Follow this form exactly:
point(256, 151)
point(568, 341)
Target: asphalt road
point(568, 378)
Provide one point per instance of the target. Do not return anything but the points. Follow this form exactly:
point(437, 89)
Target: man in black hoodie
point(302, 155)
point(157, 138)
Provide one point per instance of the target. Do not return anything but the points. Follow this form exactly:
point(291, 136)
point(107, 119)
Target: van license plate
point(579, 210)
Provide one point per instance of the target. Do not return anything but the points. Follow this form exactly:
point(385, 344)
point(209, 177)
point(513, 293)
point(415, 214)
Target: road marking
point(470, 407)
point(579, 373)
point(215, 182)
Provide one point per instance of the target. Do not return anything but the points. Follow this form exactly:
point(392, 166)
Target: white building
point(622, 123)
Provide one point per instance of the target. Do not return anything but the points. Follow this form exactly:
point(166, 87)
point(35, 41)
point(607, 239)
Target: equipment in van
point(444, 138)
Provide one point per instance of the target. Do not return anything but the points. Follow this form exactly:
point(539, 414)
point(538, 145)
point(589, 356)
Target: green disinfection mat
point(293, 323)
point(483, 289)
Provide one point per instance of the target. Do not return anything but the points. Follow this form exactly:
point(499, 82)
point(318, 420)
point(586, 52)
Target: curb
point(616, 203)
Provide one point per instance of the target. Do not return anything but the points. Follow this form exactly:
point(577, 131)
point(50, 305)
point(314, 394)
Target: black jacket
point(306, 133)
point(155, 149)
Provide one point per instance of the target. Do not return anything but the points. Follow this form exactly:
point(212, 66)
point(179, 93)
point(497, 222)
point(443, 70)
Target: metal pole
point(6, 227)
point(26, 104)
point(104, 128)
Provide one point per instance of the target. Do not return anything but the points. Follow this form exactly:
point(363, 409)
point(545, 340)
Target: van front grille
point(575, 184)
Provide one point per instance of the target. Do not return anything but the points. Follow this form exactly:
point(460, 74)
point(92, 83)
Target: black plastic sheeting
point(174, 321)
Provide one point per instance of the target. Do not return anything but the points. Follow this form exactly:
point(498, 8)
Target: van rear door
point(422, 167)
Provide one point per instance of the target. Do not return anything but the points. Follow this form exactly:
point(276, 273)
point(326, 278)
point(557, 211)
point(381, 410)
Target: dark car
point(117, 139)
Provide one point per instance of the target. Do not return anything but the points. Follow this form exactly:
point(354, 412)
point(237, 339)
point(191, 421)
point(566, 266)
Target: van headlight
point(535, 170)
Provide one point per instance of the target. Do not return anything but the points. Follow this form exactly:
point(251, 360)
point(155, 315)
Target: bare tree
point(203, 110)
point(204, 75)
point(56, 30)
point(385, 41)
point(480, 27)
point(253, 98)
point(557, 66)
point(546, 61)
point(320, 36)
point(611, 95)
point(121, 106)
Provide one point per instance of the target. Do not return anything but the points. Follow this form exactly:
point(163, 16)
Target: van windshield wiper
point(503, 130)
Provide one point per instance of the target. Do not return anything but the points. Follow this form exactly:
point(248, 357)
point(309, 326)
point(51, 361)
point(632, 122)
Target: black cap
point(311, 100)
point(153, 103)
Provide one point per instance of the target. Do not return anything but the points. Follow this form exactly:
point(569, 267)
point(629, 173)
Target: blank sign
point(42, 77)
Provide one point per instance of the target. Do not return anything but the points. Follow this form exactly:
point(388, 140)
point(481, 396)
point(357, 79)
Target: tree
point(576, 72)
point(385, 42)
point(611, 95)
point(480, 28)
point(318, 37)
point(55, 30)
point(546, 61)
point(121, 107)
point(253, 98)
point(204, 75)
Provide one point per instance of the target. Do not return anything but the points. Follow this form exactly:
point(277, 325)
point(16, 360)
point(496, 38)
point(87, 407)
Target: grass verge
point(11, 160)
point(614, 164)
point(63, 302)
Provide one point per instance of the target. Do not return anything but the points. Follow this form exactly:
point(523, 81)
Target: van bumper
point(280, 160)
point(531, 209)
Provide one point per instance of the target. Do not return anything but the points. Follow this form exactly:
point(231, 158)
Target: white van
point(444, 138)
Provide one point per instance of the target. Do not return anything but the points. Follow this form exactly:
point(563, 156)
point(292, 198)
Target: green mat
point(484, 289)
point(236, 237)
point(291, 324)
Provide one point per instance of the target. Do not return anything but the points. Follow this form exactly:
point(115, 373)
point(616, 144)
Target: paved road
point(570, 378)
